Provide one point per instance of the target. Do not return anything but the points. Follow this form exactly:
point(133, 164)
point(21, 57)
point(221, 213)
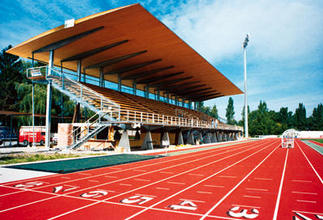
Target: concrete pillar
point(213, 138)
point(148, 142)
point(190, 138)
point(101, 82)
point(200, 137)
point(124, 141)
point(180, 139)
point(165, 140)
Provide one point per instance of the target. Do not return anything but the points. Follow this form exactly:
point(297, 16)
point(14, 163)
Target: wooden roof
point(132, 42)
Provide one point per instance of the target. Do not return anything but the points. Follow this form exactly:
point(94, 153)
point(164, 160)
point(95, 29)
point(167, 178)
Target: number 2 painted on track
point(136, 199)
point(28, 185)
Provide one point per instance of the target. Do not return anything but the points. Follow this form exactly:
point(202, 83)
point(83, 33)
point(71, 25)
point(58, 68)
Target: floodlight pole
point(33, 103)
point(245, 44)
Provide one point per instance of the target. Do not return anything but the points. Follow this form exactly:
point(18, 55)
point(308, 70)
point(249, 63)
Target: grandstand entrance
point(288, 137)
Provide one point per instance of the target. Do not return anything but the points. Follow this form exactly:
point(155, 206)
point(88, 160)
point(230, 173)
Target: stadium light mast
point(244, 45)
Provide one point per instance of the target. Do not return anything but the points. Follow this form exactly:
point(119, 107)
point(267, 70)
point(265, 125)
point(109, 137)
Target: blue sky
point(285, 53)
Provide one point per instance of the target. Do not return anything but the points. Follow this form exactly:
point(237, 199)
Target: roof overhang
point(128, 42)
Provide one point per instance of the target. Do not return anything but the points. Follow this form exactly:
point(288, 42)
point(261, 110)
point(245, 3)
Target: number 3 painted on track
point(243, 213)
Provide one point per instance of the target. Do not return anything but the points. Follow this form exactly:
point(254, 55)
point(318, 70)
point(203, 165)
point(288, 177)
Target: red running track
point(254, 180)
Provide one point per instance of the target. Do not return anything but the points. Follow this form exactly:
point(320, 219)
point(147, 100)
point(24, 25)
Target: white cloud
point(279, 29)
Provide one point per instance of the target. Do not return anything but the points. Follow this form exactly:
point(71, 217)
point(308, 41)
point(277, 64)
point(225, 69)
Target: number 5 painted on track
point(136, 199)
point(94, 194)
point(29, 184)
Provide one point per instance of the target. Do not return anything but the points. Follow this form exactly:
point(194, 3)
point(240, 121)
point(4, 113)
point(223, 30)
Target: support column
point(158, 95)
point(165, 140)
point(134, 86)
point(180, 139)
point(190, 138)
point(148, 142)
point(49, 99)
point(79, 70)
point(124, 141)
point(119, 83)
point(101, 82)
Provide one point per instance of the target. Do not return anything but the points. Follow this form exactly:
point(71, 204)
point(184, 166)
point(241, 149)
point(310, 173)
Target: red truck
point(26, 135)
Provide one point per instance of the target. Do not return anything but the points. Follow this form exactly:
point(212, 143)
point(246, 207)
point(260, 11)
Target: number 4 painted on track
point(186, 204)
point(136, 199)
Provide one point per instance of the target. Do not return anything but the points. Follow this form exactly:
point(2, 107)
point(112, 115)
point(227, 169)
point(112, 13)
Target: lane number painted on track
point(64, 188)
point(300, 216)
point(186, 205)
point(94, 194)
point(237, 212)
point(28, 184)
point(136, 199)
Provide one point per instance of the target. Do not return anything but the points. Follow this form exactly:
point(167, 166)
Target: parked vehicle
point(6, 135)
point(26, 135)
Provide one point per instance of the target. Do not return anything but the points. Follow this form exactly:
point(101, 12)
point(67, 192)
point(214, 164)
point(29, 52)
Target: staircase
point(106, 111)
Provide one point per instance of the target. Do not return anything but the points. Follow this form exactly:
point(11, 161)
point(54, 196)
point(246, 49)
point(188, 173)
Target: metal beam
point(89, 53)
point(61, 43)
point(158, 78)
point(170, 82)
point(115, 60)
point(146, 73)
point(132, 67)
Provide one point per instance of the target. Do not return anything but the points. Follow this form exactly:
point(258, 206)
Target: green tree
point(300, 117)
point(11, 70)
point(317, 118)
point(214, 112)
point(230, 112)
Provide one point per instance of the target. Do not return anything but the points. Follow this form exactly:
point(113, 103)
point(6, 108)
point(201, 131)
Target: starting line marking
point(144, 180)
point(192, 200)
point(214, 186)
point(309, 193)
point(259, 178)
point(94, 181)
point(254, 197)
point(176, 183)
point(248, 206)
point(302, 181)
point(307, 201)
point(257, 189)
point(203, 192)
point(228, 177)
point(162, 188)
point(195, 174)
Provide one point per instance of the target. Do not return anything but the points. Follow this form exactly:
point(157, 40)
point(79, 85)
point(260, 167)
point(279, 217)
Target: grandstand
point(128, 47)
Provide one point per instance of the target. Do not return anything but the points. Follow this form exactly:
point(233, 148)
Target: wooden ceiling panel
point(144, 32)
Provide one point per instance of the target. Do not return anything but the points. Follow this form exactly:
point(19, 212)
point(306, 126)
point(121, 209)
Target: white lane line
point(236, 186)
point(203, 192)
point(162, 188)
point(142, 180)
point(257, 189)
point(193, 200)
point(195, 174)
point(302, 181)
point(266, 179)
point(94, 181)
point(253, 197)
point(66, 194)
point(280, 187)
point(176, 183)
point(248, 206)
point(214, 186)
point(233, 177)
point(310, 163)
point(306, 193)
point(197, 183)
point(248, 149)
point(306, 201)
